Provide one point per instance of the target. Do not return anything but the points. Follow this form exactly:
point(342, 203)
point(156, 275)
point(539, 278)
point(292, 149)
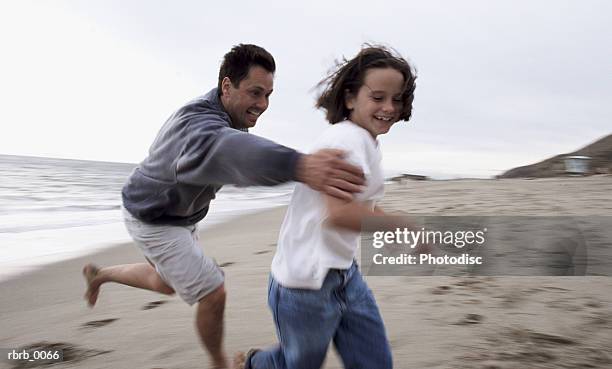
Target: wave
point(71, 208)
point(46, 227)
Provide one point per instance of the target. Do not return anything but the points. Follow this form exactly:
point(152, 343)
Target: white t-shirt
point(307, 247)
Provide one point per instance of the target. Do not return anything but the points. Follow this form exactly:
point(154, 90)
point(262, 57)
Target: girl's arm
point(348, 214)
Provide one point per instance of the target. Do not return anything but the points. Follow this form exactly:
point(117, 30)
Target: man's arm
point(222, 155)
point(228, 156)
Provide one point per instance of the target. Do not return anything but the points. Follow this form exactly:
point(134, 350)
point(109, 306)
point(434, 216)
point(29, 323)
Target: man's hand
point(327, 171)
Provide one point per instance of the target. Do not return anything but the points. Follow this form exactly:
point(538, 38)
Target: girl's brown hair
point(349, 77)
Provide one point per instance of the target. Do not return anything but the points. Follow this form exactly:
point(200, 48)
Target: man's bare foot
point(90, 271)
point(239, 360)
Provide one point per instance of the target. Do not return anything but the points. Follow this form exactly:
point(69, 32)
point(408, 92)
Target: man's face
point(247, 102)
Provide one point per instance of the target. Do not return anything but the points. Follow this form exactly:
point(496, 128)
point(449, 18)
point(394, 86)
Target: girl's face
point(378, 103)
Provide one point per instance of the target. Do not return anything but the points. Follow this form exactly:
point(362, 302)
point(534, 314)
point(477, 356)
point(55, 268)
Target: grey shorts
point(177, 257)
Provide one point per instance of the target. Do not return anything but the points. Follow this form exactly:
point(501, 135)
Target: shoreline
point(18, 270)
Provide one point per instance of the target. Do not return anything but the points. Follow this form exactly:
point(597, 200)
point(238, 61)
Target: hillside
point(599, 151)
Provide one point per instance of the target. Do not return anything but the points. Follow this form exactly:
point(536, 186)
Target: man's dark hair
point(239, 60)
point(349, 77)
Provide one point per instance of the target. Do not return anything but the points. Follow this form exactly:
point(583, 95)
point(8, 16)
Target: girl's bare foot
point(239, 360)
point(220, 364)
point(90, 271)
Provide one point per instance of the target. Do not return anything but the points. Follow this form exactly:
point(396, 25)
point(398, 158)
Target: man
point(201, 147)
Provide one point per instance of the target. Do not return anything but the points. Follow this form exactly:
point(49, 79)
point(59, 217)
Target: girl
point(316, 292)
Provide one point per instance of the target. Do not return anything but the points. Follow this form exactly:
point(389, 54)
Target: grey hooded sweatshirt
point(195, 153)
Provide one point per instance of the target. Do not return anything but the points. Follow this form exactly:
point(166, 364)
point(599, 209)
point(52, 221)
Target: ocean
point(57, 209)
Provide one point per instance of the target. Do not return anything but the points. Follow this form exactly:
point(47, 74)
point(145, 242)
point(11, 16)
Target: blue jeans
point(343, 310)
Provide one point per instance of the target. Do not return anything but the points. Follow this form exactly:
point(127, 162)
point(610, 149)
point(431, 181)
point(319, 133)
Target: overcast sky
point(500, 83)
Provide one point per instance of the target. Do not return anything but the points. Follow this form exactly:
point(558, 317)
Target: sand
point(432, 322)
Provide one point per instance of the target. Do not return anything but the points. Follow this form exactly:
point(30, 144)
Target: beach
point(432, 322)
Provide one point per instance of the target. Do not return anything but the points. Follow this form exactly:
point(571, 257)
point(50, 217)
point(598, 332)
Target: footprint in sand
point(594, 304)
point(544, 338)
point(71, 353)
point(441, 290)
point(153, 304)
point(98, 323)
point(471, 319)
point(523, 348)
point(261, 252)
point(226, 264)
